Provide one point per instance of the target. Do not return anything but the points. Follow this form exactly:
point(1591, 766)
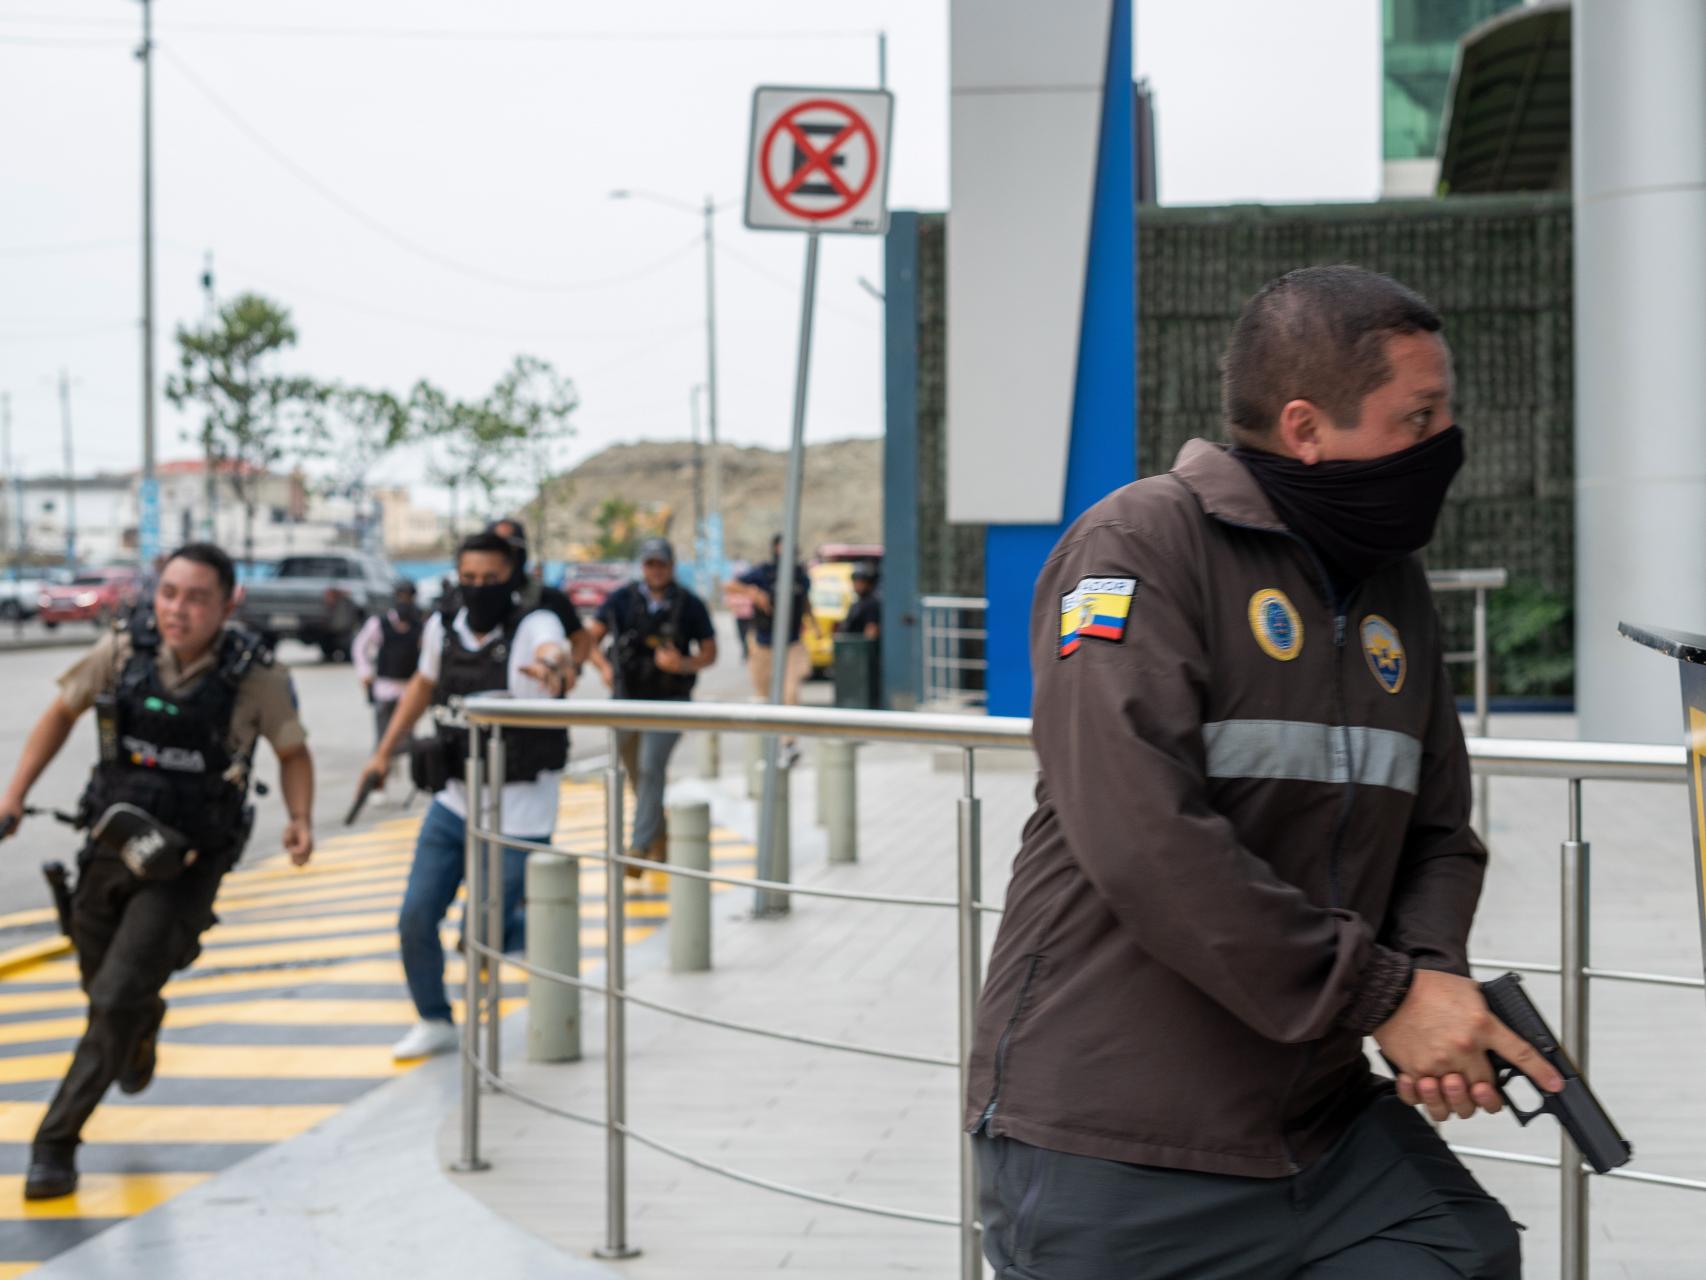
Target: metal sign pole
point(782, 602)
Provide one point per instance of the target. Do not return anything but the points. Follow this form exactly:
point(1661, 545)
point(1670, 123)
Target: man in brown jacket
point(1251, 847)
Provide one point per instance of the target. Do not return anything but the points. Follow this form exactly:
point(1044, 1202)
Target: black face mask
point(487, 605)
point(1361, 516)
point(409, 613)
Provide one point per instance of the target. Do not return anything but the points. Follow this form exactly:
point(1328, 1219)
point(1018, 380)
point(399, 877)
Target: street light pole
point(148, 531)
point(700, 545)
point(70, 472)
point(210, 480)
point(712, 529)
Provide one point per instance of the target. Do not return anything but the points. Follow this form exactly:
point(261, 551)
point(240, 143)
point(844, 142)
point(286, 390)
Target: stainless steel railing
point(955, 668)
point(1573, 762)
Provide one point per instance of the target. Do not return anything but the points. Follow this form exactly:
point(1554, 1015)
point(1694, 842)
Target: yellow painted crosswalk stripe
point(311, 897)
point(18, 1123)
point(271, 1012)
point(300, 926)
point(231, 1062)
point(11, 1270)
point(98, 1195)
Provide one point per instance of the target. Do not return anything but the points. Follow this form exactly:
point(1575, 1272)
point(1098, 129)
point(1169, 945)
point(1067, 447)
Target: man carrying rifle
point(180, 698)
point(1251, 847)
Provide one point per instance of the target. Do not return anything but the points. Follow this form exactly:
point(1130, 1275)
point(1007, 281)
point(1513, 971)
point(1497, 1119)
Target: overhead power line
point(331, 32)
point(423, 251)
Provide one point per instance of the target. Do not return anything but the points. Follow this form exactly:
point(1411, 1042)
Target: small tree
point(506, 435)
point(363, 426)
point(618, 530)
point(253, 418)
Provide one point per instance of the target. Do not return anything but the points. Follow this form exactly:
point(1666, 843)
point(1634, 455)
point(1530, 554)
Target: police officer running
point(499, 639)
point(661, 638)
point(1251, 847)
point(180, 698)
point(386, 652)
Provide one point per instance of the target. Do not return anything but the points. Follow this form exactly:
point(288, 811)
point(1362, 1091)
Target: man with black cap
point(661, 638)
point(865, 617)
point(551, 599)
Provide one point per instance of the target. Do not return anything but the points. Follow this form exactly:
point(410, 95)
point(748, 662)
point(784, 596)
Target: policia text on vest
point(180, 700)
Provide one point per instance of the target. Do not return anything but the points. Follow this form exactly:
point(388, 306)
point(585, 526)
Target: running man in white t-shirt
point(497, 641)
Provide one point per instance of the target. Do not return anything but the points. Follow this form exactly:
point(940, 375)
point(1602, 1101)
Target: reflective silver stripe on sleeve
point(1303, 751)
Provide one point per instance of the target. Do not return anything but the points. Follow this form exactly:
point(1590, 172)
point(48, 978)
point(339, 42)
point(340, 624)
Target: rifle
point(1587, 1123)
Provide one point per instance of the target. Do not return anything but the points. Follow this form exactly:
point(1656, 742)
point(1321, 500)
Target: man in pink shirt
point(386, 653)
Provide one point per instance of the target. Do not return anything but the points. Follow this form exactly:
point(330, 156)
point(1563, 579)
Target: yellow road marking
point(367, 901)
point(231, 1062)
point(271, 1012)
point(310, 897)
point(11, 1270)
point(294, 877)
point(98, 1195)
point(303, 925)
point(39, 915)
point(18, 1122)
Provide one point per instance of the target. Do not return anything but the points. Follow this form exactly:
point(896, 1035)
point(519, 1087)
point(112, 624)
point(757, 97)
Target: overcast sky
point(425, 185)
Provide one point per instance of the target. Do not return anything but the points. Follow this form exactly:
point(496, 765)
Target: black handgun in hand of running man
point(1587, 1123)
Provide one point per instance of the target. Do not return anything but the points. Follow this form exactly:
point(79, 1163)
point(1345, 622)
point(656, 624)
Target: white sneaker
point(425, 1040)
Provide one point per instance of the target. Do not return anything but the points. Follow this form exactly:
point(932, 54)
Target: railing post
point(553, 943)
point(494, 900)
point(689, 897)
point(1573, 1032)
point(838, 792)
point(1483, 784)
point(773, 902)
point(711, 755)
point(469, 1161)
point(615, 1027)
point(971, 983)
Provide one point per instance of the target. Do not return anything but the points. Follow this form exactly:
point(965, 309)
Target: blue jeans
point(440, 859)
point(646, 757)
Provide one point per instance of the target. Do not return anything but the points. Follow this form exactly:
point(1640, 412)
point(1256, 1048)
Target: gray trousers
point(1387, 1202)
point(646, 757)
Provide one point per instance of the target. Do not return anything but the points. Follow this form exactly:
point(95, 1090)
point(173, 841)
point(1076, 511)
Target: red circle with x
point(818, 160)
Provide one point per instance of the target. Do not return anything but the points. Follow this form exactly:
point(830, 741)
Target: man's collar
point(1224, 487)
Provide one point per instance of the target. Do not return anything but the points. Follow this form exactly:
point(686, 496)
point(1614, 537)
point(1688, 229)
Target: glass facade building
point(1419, 44)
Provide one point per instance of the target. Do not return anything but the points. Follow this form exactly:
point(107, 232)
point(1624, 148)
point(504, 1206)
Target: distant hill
point(842, 499)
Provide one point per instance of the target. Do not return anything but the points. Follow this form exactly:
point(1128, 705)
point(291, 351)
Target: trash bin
point(858, 675)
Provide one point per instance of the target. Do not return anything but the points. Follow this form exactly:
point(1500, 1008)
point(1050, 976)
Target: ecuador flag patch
point(1096, 607)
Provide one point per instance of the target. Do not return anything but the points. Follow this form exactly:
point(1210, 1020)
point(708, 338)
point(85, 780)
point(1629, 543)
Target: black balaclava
point(487, 605)
point(1360, 516)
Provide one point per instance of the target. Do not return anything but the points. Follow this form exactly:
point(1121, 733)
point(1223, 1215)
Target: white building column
point(1639, 78)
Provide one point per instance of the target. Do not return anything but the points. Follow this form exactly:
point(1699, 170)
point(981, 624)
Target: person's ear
point(1299, 431)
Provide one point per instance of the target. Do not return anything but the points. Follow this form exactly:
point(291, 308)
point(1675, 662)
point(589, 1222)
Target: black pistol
point(59, 885)
point(1589, 1127)
point(369, 784)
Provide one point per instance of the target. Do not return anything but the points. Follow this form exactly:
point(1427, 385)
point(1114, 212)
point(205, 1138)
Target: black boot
point(53, 1173)
point(140, 1073)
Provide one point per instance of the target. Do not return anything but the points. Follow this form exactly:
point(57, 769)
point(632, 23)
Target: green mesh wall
point(1497, 267)
point(950, 557)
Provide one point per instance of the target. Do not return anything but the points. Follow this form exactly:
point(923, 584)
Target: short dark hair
point(486, 542)
point(214, 558)
point(1316, 334)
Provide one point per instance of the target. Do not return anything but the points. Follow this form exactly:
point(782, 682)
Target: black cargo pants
point(130, 936)
point(1387, 1202)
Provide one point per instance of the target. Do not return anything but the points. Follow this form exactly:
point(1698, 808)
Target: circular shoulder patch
point(1384, 649)
point(1274, 620)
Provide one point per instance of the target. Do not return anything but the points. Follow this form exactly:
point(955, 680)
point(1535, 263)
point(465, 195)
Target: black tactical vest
point(463, 672)
point(168, 754)
point(399, 651)
point(640, 632)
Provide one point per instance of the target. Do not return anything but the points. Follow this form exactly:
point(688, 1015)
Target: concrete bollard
point(782, 871)
point(711, 756)
point(554, 943)
point(754, 766)
point(838, 791)
point(689, 899)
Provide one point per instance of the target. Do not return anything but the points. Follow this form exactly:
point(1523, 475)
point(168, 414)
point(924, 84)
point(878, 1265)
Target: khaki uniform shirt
point(266, 699)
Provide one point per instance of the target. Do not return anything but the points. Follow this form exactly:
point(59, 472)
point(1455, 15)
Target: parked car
point(20, 597)
point(588, 584)
point(320, 599)
point(92, 595)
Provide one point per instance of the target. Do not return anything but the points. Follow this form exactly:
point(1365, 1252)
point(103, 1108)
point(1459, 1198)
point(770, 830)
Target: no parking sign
point(819, 160)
